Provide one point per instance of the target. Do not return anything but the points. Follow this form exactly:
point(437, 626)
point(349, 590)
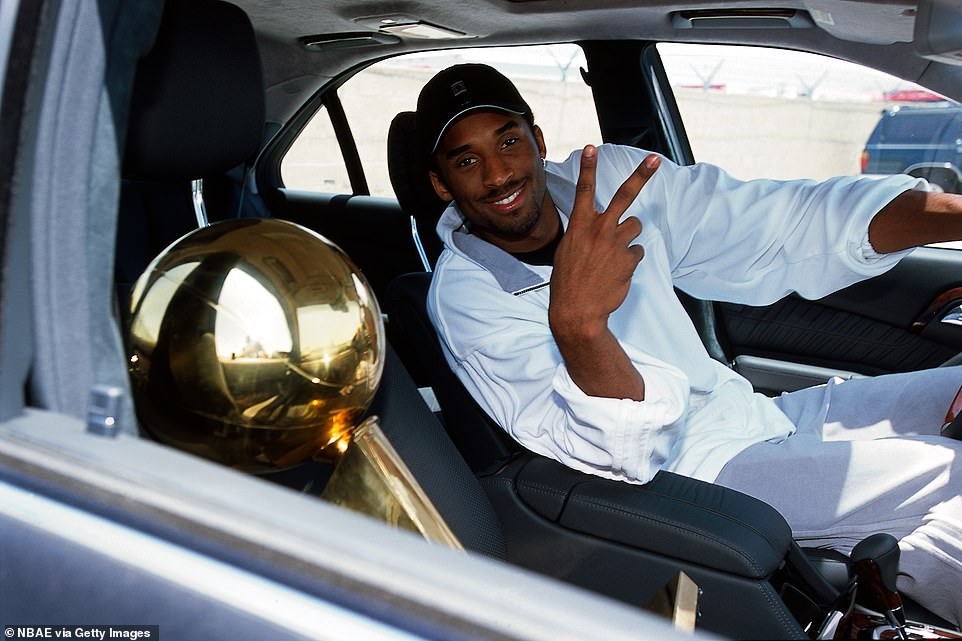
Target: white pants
point(868, 458)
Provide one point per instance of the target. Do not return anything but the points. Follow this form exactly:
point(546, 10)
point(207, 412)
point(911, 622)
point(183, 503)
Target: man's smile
point(510, 201)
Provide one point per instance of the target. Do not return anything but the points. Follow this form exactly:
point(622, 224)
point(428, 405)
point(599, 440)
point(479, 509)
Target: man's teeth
point(508, 200)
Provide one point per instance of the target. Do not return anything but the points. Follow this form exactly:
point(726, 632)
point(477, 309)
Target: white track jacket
point(710, 235)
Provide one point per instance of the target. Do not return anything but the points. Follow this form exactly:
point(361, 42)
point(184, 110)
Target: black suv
point(924, 141)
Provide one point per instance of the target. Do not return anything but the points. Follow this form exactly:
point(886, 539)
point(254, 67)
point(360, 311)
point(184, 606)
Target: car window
point(761, 112)
point(549, 78)
point(314, 162)
point(770, 113)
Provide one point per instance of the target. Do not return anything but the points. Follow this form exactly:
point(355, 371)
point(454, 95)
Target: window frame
point(268, 164)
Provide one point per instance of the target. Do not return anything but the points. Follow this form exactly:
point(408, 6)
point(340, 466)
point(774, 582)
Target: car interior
point(221, 90)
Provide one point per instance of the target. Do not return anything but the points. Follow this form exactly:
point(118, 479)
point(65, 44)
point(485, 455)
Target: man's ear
point(439, 187)
point(539, 139)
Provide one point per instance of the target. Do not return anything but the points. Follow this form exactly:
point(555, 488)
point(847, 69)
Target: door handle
point(944, 308)
point(952, 316)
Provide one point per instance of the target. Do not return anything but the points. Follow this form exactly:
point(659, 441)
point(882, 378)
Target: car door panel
point(890, 323)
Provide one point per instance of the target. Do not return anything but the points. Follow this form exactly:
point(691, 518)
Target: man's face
point(490, 164)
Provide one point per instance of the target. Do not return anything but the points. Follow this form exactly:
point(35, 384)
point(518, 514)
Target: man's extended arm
point(916, 218)
point(594, 264)
point(590, 280)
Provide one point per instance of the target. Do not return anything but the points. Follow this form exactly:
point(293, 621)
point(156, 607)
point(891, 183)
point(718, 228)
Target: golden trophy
point(257, 343)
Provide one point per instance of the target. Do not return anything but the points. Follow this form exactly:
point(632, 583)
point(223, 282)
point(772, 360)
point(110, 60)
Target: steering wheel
point(953, 418)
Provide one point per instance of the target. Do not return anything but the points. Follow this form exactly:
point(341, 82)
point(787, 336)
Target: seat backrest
point(482, 443)
point(197, 110)
point(480, 440)
point(408, 169)
point(198, 101)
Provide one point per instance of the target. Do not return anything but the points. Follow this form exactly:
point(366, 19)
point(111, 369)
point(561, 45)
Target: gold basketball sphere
point(255, 343)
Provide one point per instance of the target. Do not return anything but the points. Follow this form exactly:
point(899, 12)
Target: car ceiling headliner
point(877, 33)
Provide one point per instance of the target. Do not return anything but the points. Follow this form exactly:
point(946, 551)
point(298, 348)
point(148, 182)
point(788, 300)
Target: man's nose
point(497, 172)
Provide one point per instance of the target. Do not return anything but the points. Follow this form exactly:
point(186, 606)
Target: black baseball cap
point(460, 90)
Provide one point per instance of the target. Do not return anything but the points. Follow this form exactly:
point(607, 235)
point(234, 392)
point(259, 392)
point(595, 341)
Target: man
point(555, 306)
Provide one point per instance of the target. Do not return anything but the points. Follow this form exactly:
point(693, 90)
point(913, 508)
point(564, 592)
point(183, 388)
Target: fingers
point(584, 214)
point(630, 189)
point(584, 204)
point(628, 229)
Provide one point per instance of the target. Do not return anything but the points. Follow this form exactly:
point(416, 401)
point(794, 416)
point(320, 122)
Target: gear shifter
point(876, 562)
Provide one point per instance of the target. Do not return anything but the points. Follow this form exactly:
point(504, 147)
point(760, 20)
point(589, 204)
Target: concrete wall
point(750, 136)
point(763, 137)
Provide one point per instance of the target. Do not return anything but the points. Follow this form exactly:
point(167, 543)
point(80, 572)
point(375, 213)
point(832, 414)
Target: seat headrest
point(198, 98)
point(408, 169)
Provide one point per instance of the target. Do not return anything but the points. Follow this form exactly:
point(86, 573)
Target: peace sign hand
point(594, 261)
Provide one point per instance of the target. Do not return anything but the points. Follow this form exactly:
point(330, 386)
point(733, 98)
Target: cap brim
point(466, 111)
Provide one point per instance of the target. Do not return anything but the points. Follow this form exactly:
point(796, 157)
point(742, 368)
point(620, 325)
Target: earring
point(544, 163)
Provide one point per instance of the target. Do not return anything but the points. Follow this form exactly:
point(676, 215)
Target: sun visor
point(938, 31)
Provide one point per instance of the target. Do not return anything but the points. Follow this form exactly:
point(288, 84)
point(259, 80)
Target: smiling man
point(555, 306)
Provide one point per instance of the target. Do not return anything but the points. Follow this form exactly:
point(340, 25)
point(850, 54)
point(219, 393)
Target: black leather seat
point(196, 112)
point(416, 196)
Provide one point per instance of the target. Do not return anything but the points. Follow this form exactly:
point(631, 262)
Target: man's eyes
point(468, 161)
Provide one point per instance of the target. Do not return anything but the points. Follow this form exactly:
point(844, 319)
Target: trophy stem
point(371, 478)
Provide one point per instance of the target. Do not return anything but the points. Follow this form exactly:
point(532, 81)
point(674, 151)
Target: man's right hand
point(590, 279)
point(594, 262)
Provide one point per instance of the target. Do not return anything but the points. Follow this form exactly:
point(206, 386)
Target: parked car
point(125, 125)
point(923, 141)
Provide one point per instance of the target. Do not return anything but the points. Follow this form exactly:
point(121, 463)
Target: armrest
point(672, 515)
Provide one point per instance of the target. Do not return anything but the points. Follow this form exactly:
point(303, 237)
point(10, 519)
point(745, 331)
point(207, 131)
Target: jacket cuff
point(862, 251)
point(664, 403)
point(637, 434)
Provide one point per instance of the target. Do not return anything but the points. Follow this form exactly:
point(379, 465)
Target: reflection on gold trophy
point(258, 344)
